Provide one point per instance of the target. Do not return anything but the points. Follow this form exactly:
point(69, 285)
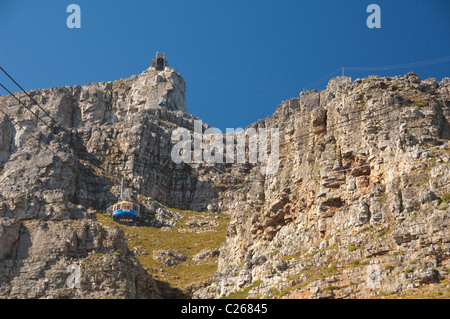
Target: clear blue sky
point(239, 58)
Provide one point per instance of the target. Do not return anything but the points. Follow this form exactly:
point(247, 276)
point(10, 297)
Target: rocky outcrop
point(42, 259)
point(358, 206)
point(54, 181)
point(111, 133)
point(168, 257)
point(355, 209)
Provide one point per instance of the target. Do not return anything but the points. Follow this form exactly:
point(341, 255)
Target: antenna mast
point(121, 190)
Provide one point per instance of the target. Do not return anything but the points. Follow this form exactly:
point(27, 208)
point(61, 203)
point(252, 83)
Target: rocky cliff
point(357, 208)
point(359, 205)
point(57, 172)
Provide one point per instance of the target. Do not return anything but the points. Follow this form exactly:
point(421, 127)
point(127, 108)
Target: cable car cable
point(32, 99)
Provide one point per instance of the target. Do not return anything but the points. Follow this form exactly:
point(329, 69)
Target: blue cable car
point(162, 103)
point(125, 212)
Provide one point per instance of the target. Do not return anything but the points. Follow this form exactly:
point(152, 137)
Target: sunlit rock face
point(358, 205)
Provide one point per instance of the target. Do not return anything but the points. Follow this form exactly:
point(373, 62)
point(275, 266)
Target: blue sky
point(239, 58)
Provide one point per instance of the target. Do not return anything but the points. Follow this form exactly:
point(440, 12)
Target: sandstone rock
point(353, 204)
point(169, 257)
point(359, 192)
point(35, 256)
point(206, 253)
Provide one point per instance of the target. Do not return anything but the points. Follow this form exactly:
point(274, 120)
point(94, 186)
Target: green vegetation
point(331, 269)
point(385, 231)
point(432, 291)
point(357, 262)
point(312, 274)
point(446, 197)
point(149, 239)
point(420, 104)
point(368, 229)
point(445, 201)
point(293, 256)
point(331, 288)
point(243, 294)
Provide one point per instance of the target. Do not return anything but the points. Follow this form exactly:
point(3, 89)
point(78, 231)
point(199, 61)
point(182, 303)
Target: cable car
point(125, 212)
point(162, 103)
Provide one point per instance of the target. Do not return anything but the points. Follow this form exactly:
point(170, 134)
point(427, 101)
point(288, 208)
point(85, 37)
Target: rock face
point(36, 257)
point(53, 181)
point(358, 206)
point(114, 129)
point(169, 258)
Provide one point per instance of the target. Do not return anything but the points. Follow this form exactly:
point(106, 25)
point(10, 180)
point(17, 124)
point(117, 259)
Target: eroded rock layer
point(358, 206)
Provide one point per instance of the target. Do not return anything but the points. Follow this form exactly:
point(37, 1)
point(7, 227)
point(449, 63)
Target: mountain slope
point(358, 206)
point(53, 181)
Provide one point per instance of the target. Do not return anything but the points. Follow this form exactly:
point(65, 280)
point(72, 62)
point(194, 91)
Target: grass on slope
point(181, 237)
point(439, 290)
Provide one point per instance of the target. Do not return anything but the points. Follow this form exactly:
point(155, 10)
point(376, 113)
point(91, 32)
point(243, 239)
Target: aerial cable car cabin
point(125, 212)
